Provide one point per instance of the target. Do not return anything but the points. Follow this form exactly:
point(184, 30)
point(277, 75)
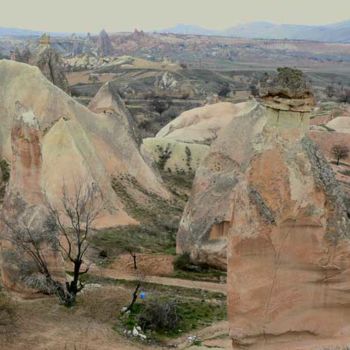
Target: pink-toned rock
point(51, 142)
point(24, 203)
point(321, 120)
point(204, 225)
point(325, 140)
point(77, 144)
point(289, 242)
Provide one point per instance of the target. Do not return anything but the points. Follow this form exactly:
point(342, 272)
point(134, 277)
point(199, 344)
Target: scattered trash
point(193, 339)
point(123, 309)
point(136, 332)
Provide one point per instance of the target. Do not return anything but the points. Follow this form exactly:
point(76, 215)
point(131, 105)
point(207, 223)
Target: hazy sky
point(124, 15)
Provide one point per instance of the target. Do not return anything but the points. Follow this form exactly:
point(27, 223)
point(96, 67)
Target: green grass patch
point(345, 172)
point(192, 314)
point(209, 275)
point(137, 238)
point(159, 219)
point(156, 289)
point(5, 172)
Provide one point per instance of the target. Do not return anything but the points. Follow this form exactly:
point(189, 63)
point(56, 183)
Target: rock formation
point(203, 227)
point(203, 230)
point(50, 63)
point(25, 207)
point(104, 44)
point(288, 229)
point(108, 102)
point(185, 141)
point(340, 124)
point(61, 142)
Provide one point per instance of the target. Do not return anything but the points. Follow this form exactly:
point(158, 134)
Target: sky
point(126, 15)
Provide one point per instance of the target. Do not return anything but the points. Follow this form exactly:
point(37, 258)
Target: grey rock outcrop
point(104, 44)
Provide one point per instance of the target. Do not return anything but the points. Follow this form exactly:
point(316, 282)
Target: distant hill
point(18, 32)
point(190, 29)
point(338, 32)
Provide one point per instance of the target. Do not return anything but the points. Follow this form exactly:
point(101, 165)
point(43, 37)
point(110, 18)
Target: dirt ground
point(42, 324)
point(148, 264)
point(82, 77)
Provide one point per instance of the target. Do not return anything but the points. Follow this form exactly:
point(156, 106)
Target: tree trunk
point(134, 297)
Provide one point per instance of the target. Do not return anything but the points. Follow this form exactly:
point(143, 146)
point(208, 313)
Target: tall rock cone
point(51, 142)
point(288, 232)
point(104, 44)
point(50, 63)
point(107, 101)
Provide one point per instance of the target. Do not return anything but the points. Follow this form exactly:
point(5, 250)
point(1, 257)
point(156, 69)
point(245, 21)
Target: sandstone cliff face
point(77, 144)
point(25, 208)
point(288, 236)
point(51, 141)
point(204, 224)
point(50, 63)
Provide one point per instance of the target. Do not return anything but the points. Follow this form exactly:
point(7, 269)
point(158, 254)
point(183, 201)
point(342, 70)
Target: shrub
point(5, 170)
point(160, 105)
point(224, 90)
point(160, 316)
point(340, 152)
point(164, 155)
point(182, 262)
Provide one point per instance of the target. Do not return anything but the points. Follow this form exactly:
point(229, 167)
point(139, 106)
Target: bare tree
point(140, 278)
point(32, 240)
point(340, 152)
point(80, 210)
point(73, 220)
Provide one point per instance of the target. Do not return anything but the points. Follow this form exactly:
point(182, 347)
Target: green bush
point(160, 316)
point(183, 262)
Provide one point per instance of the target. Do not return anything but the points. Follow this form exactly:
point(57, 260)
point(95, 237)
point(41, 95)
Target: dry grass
point(45, 325)
point(103, 304)
point(8, 318)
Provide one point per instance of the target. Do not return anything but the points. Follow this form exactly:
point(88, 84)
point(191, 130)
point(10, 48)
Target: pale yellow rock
point(76, 144)
point(189, 136)
point(340, 124)
point(51, 141)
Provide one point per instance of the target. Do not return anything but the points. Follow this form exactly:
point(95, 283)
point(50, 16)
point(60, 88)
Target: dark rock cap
point(287, 90)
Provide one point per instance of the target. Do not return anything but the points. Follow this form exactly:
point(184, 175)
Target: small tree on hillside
point(80, 210)
point(30, 241)
point(340, 152)
point(74, 222)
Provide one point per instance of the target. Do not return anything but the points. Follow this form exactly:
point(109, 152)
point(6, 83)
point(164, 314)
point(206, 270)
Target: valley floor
point(93, 324)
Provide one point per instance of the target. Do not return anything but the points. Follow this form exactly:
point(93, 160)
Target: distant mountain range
point(26, 32)
point(338, 32)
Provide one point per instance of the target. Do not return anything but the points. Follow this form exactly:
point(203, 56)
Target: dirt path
point(168, 281)
point(212, 337)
